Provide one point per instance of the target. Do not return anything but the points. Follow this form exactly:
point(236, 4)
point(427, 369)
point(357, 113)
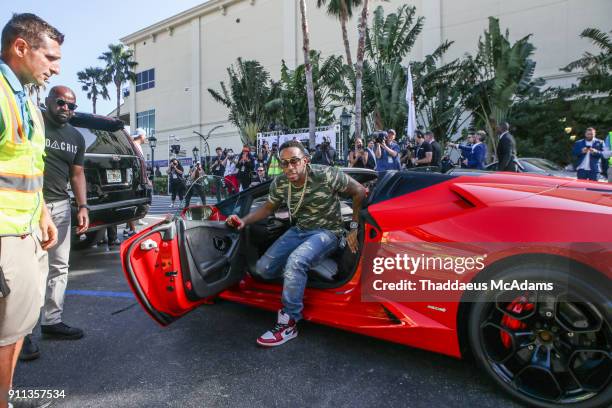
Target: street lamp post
point(206, 165)
point(345, 125)
point(153, 144)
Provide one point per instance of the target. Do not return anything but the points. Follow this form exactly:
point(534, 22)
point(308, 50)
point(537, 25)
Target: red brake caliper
point(517, 307)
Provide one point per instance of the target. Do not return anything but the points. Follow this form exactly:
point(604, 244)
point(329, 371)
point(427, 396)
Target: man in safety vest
point(607, 154)
point(30, 56)
point(274, 168)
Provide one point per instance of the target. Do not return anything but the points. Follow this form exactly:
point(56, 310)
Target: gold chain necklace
point(299, 204)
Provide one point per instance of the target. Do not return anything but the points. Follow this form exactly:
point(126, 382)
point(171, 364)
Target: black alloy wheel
point(547, 348)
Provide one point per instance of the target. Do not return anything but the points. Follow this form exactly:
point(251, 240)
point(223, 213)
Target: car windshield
point(542, 164)
point(106, 142)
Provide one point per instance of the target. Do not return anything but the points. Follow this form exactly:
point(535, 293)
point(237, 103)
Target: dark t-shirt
point(64, 147)
point(420, 152)
point(436, 156)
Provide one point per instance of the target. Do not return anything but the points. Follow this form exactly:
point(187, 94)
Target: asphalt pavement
point(209, 358)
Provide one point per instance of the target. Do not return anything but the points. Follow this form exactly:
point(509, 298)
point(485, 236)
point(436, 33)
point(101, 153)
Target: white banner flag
point(411, 125)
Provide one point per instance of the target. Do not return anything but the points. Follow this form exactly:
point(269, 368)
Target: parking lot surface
point(210, 359)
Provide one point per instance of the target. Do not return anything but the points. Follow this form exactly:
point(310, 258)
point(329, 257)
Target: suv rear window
point(106, 142)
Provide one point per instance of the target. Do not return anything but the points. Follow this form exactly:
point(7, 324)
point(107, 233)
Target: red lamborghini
point(544, 334)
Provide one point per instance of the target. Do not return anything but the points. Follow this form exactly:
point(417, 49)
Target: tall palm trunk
point(343, 21)
point(93, 99)
point(359, 67)
point(309, 83)
point(118, 85)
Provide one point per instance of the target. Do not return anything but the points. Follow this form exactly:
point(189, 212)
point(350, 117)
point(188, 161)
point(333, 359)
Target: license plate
point(113, 176)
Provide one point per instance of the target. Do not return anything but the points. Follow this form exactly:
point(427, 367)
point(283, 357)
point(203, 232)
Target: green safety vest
point(274, 169)
point(21, 166)
point(610, 146)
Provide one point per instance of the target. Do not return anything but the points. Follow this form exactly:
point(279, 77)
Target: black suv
point(118, 189)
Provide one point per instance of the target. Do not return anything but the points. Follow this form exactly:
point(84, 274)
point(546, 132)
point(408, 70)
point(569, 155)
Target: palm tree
point(290, 106)
point(387, 42)
point(441, 92)
point(363, 22)
point(343, 10)
point(119, 67)
point(248, 92)
point(94, 83)
point(309, 84)
point(597, 69)
point(502, 73)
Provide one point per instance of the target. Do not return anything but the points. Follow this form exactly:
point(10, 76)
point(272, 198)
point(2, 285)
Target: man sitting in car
point(311, 194)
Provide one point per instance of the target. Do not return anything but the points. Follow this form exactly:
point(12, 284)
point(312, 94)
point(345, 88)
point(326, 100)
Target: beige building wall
point(192, 50)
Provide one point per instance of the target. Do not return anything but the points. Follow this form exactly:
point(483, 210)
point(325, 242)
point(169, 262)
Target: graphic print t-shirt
point(320, 207)
point(64, 147)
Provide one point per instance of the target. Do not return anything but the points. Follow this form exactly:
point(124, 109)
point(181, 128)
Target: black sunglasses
point(293, 161)
point(61, 102)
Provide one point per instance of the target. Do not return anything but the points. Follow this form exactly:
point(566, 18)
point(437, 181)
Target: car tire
point(542, 360)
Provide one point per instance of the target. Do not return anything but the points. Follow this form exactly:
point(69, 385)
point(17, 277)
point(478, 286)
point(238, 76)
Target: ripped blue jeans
point(297, 250)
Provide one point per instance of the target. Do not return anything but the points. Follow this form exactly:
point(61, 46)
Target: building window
point(146, 120)
point(145, 80)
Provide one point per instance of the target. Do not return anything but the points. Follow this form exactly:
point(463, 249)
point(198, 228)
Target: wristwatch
point(84, 206)
point(353, 225)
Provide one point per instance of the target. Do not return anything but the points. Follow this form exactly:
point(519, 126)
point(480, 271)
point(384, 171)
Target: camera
point(379, 136)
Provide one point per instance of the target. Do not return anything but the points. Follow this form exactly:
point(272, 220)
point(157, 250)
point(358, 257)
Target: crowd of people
point(226, 174)
point(229, 173)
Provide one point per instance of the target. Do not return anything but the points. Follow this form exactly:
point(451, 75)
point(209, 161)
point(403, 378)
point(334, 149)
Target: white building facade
point(180, 57)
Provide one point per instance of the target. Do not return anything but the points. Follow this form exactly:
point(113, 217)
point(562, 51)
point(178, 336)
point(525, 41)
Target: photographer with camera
point(246, 166)
point(217, 169)
point(177, 182)
point(407, 153)
point(230, 175)
point(587, 153)
point(197, 181)
point(387, 151)
point(263, 156)
point(324, 154)
point(360, 157)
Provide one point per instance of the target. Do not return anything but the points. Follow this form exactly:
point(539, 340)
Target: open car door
point(174, 266)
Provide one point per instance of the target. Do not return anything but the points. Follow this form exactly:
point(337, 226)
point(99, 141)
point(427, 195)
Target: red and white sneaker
point(285, 330)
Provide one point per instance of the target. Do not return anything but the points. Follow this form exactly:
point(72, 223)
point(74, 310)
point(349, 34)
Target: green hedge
point(161, 185)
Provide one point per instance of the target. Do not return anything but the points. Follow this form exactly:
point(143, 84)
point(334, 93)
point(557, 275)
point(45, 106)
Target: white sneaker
point(285, 330)
point(142, 222)
point(171, 206)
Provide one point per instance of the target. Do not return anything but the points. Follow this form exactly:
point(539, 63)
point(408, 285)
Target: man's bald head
point(61, 91)
point(61, 103)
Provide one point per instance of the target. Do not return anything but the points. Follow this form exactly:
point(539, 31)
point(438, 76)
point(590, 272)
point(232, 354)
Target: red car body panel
point(521, 214)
